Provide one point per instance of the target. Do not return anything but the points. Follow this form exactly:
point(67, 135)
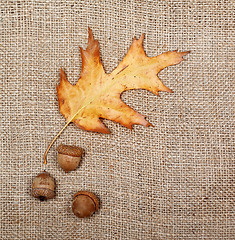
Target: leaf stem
point(45, 155)
point(71, 119)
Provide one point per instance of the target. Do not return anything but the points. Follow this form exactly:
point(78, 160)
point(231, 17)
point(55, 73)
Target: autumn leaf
point(96, 95)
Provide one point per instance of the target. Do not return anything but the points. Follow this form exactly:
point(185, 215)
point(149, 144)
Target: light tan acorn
point(69, 157)
point(85, 204)
point(43, 186)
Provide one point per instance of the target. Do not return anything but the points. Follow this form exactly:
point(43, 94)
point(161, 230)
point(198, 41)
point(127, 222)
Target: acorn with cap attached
point(69, 157)
point(43, 186)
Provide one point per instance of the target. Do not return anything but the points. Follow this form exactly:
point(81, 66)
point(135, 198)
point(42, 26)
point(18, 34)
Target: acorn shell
point(43, 186)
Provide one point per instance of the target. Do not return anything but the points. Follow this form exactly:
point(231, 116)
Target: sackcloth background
point(170, 181)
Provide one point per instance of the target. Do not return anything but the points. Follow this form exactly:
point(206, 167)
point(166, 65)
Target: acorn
point(69, 157)
point(85, 204)
point(43, 186)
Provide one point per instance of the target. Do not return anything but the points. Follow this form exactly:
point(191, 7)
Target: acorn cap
point(43, 193)
point(90, 195)
point(69, 150)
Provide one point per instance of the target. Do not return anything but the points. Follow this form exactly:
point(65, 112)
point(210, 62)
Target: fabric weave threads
point(171, 181)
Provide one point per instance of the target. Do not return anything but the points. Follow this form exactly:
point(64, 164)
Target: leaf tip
point(90, 35)
point(61, 70)
point(62, 75)
point(164, 88)
point(185, 53)
point(182, 53)
point(149, 125)
point(141, 39)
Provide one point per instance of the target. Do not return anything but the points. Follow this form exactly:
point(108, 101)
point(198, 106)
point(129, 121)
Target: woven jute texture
point(170, 181)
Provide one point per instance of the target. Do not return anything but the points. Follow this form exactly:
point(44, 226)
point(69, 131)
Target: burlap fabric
point(170, 181)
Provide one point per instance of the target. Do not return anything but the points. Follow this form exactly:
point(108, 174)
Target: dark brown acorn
point(84, 204)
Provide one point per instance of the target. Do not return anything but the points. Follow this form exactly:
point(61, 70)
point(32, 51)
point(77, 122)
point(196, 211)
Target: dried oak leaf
point(96, 95)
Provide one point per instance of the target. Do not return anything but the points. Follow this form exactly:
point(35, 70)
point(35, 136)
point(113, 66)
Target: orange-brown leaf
point(97, 94)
